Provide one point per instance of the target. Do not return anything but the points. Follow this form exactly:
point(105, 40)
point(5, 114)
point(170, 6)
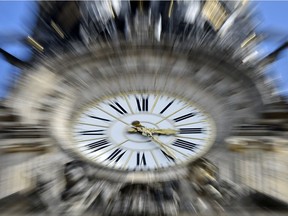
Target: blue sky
point(18, 18)
point(275, 19)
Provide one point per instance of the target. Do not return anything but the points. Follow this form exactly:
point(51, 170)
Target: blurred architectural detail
point(262, 144)
point(85, 44)
point(215, 13)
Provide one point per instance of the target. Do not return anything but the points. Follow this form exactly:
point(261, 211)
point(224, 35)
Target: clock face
point(141, 131)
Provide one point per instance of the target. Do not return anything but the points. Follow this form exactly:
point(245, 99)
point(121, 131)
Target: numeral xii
point(142, 105)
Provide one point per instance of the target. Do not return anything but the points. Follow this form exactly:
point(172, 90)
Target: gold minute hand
point(166, 150)
point(163, 146)
point(147, 132)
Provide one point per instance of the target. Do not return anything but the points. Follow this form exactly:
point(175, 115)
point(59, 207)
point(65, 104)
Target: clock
point(143, 114)
point(142, 131)
point(138, 115)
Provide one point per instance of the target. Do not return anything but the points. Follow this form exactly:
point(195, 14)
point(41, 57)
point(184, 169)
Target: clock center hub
point(119, 131)
point(137, 137)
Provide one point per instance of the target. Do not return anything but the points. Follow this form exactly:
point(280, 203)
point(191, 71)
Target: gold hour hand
point(133, 130)
point(155, 131)
point(163, 131)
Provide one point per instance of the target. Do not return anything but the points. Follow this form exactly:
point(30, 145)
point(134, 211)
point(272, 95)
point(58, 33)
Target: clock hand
point(137, 124)
point(167, 151)
point(163, 131)
point(146, 132)
point(156, 131)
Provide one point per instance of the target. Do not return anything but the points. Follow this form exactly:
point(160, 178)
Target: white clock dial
point(170, 131)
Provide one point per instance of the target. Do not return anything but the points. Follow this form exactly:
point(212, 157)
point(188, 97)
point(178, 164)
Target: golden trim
point(170, 8)
point(57, 29)
point(109, 149)
point(35, 44)
point(248, 40)
point(112, 115)
point(190, 123)
point(155, 102)
point(184, 137)
point(155, 159)
point(128, 159)
point(129, 105)
point(81, 123)
point(172, 114)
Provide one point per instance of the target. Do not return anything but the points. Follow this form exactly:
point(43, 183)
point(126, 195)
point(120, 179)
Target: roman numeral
point(190, 130)
point(103, 119)
point(119, 108)
point(185, 144)
point(98, 145)
point(142, 106)
point(165, 108)
point(92, 132)
point(141, 160)
point(116, 155)
point(189, 115)
point(168, 157)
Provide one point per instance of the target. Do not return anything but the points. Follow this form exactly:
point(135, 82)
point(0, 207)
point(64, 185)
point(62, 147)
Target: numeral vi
point(141, 160)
